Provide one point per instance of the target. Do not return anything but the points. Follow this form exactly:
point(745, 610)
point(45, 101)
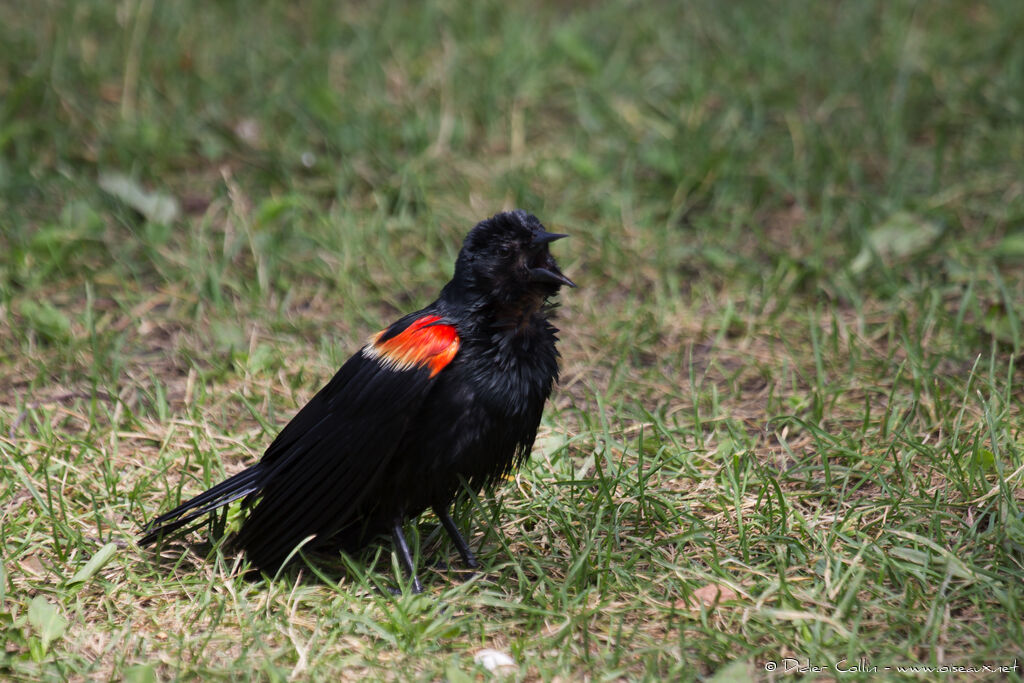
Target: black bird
point(448, 396)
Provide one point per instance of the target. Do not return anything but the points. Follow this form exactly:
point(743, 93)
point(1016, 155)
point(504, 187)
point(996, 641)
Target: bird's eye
point(504, 250)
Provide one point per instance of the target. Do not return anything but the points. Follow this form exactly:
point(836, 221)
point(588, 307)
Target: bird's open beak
point(552, 275)
point(548, 270)
point(544, 237)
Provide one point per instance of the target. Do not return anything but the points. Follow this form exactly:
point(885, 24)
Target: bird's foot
point(463, 573)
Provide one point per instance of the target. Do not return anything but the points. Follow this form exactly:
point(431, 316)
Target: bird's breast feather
point(425, 343)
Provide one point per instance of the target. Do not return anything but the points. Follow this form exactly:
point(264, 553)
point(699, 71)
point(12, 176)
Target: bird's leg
point(460, 543)
point(404, 556)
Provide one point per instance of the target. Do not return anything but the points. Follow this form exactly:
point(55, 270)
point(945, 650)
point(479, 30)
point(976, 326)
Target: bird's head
point(506, 259)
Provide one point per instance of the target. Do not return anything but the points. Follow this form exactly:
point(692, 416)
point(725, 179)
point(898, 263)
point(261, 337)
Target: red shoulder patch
point(425, 343)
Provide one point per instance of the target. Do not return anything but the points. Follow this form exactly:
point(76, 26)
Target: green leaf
point(229, 336)
point(938, 557)
point(734, 672)
point(985, 460)
point(550, 444)
point(46, 319)
point(1001, 324)
point(140, 673)
point(46, 621)
point(264, 359)
point(1011, 248)
point(272, 209)
point(235, 517)
point(898, 237)
point(95, 563)
point(454, 674)
point(80, 219)
point(575, 46)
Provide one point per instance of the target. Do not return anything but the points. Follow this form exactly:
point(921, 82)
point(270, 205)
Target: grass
point(789, 423)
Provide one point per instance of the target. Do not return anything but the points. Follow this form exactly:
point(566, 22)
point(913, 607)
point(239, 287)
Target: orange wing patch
point(424, 344)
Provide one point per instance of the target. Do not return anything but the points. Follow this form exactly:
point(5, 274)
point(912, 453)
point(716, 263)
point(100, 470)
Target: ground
point(787, 436)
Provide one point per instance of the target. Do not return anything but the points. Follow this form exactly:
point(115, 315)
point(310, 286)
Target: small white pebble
point(493, 660)
point(308, 159)
point(248, 130)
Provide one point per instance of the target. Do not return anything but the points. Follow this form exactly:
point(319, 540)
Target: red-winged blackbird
point(448, 396)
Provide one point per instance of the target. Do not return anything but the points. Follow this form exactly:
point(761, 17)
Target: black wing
point(330, 457)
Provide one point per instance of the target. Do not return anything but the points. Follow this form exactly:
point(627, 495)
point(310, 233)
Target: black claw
point(468, 558)
point(405, 557)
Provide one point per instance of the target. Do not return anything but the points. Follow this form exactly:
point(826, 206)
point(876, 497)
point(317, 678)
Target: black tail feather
point(242, 484)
